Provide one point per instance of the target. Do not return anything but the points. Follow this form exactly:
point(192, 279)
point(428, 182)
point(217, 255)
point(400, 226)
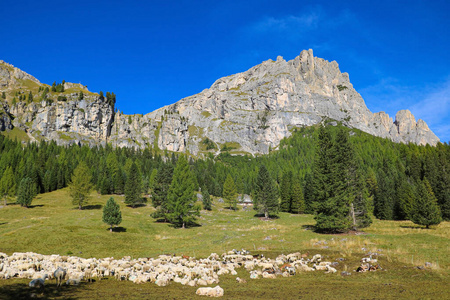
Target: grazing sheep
point(210, 292)
point(240, 280)
point(319, 268)
point(316, 258)
point(59, 275)
point(268, 275)
point(75, 282)
point(38, 283)
point(330, 269)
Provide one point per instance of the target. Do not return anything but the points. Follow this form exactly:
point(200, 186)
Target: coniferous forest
point(343, 176)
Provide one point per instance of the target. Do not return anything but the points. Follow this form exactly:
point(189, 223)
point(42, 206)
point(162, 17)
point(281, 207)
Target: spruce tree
point(111, 213)
point(26, 192)
point(80, 186)
point(7, 184)
point(334, 212)
point(286, 192)
point(229, 192)
point(163, 180)
point(405, 200)
point(133, 186)
point(342, 204)
point(206, 199)
point(152, 180)
point(384, 201)
point(321, 179)
point(426, 211)
point(266, 193)
point(182, 209)
point(298, 201)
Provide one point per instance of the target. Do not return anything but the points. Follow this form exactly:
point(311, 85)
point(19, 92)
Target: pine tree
point(266, 193)
point(119, 182)
point(26, 192)
point(111, 213)
point(384, 201)
point(372, 187)
point(163, 180)
point(180, 197)
point(206, 199)
point(343, 205)
point(30, 97)
point(133, 186)
point(152, 180)
point(7, 184)
point(405, 200)
point(286, 192)
point(426, 211)
point(298, 201)
point(360, 207)
point(334, 212)
point(415, 167)
point(80, 186)
point(229, 192)
point(321, 180)
point(442, 191)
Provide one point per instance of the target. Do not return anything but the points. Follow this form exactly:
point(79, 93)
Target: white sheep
point(211, 292)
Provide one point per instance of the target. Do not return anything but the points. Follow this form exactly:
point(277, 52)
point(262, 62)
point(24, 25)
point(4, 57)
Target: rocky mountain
point(249, 112)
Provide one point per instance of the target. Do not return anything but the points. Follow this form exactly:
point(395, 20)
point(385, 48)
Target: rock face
point(249, 112)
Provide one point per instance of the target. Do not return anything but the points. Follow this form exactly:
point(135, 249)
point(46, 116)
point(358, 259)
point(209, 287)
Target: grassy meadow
point(54, 226)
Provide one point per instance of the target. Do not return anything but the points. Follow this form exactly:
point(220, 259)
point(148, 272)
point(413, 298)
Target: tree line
point(313, 170)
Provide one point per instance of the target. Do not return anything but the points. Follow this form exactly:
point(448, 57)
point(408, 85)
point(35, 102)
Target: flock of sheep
point(161, 271)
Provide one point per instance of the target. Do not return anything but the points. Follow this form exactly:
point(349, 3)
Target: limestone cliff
point(249, 112)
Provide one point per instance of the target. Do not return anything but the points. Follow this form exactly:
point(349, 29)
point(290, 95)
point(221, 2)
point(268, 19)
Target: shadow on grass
point(118, 229)
point(231, 208)
point(309, 227)
point(4, 223)
point(189, 225)
point(92, 207)
point(414, 227)
point(263, 217)
point(33, 206)
point(16, 291)
point(137, 205)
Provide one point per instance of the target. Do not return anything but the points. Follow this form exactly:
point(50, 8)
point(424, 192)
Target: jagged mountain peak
point(247, 112)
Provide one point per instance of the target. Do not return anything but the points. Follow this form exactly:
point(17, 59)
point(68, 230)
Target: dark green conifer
point(266, 193)
point(206, 199)
point(163, 180)
point(229, 192)
point(26, 192)
point(133, 186)
point(286, 192)
point(298, 202)
point(111, 213)
point(426, 211)
point(182, 209)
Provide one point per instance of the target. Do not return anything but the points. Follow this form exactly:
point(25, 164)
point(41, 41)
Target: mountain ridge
point(246, 113)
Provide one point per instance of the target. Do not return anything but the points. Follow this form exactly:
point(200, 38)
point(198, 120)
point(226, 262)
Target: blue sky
point(153, 53)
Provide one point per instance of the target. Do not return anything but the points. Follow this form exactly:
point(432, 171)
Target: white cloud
point(289, 23)
point(429, 103)
point(434, 108)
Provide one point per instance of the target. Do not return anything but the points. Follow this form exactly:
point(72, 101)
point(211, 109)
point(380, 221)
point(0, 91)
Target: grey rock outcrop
point(248, 112)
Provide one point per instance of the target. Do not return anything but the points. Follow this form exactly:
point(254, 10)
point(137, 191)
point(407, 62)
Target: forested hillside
point(395, 176)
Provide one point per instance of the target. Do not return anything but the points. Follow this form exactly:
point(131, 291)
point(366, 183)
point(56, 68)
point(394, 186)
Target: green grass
point(54, 226)
point(17, 134)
